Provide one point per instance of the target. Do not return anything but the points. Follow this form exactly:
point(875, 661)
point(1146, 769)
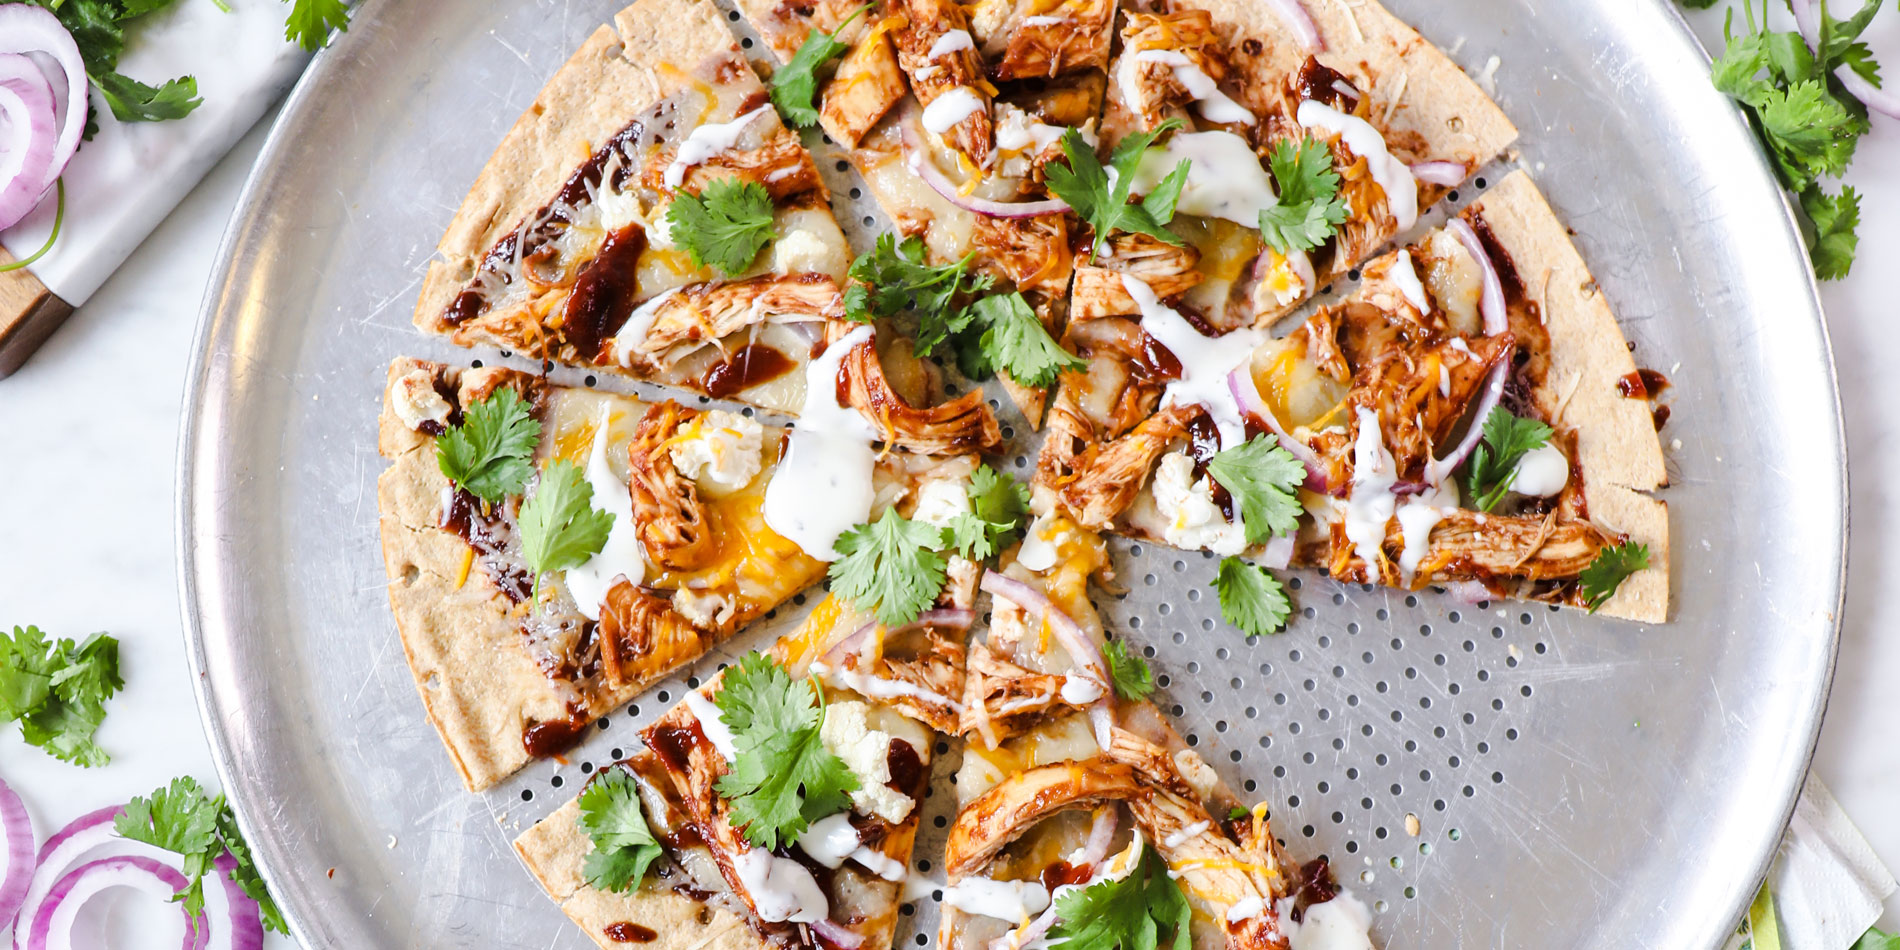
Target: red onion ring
point(1448, 174)
point(954, 618)
point(917, 159)
point(835, 934)
point(1278, 553)
point(1101, 835)
point(26, 103)
point(1083, 651)
point(25, 28)
point(1247, 397)
point(60, 852)
point(1468, 592)
point(52, 924)
point(1296, 19)
point(245, 918)
point(1884, 101)
point(16, 845)
point(1496, 320)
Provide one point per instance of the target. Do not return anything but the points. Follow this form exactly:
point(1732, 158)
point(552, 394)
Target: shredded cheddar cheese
point(461, 575)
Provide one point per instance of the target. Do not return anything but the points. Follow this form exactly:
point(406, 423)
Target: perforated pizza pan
point(1493, 774)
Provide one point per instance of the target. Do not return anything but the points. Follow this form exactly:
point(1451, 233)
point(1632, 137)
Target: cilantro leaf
point(998, 504)
point(560, 527)
point(243, 870)
point(893, 275)
point(1101, 199)
point(795, 84)
point(1128, 914)
point(1015, 342)
point(311, 21)
point(1128, 671)
point(1611, 567)
point(1493, 464)
point(1265, 479)
point(1876, 939)
point(1310, 208)
point(891, 565)
point(624, 847)
point(1698, 4)
point(134, 101)
point(98, 29)
point(1250, 598)
point(57, 691)
point(1833, 242)
point(1810, 132)
point(490, 454)
point(725, 225)
point(183, 819)
point(783, 777)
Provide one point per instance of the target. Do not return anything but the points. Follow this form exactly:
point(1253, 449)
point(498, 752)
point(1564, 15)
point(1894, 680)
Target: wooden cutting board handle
point(29, 313)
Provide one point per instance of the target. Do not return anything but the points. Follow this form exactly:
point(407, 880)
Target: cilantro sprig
point(560, 527)
point(1807, 121)
point(893, 275)
point(1612, 566)
point(57, 691)
point(311, 21)
point(1493, 466)
point(612, 817)
point(184, 820)
point(1310, 208)
point(783, 778)
point(1015, 342)
point(1133, 913)
point(1128, 671)
point(1101, 198)
point(725, 225)
point(490, 454)
point(1265, 480)
point(890, 565)
point(794, 85)
point(998, 505)
point(1250, 598)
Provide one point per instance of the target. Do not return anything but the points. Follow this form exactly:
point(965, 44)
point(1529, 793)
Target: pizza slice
point(1082, 813)
point(649, 215)
point(1469, 417)
point(551, 551)
point(777, 804)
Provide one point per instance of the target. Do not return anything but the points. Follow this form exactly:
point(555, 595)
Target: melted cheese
point(1224, 180)
point(1205, 361)
point(829, 459)
point(1393, 176)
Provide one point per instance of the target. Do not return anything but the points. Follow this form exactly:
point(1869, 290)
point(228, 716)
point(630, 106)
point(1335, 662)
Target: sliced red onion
point(1293, 13)
point(1884, 101)
point(836, 934)
point(917, 159)
point(954, 618)
point(31, 132)
point(1082, 650)
point(245, 918)
point(25, 28)
point(16, 849)
point(1101, 835)
point(1247, 397)
point(61, 851)
point(1496, 320)
point(1278, 553)
point(1449, 174)
point(1468, 592)
point(53, 922)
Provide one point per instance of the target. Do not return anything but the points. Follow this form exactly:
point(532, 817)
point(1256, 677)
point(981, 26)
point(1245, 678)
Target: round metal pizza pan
point(1503, 775)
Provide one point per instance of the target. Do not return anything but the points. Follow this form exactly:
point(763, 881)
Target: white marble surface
point(87, 441)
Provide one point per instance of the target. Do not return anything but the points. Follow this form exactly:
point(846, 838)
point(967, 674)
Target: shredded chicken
point(1014, 805)
point(1033, 253)
point(1002, 700)
point(709, 312)
point(1420, 393)
point(1077, 40)
point(781, 164)
point(1471, 545)
point(866, 86)
point(636, 624)
point(1107, 478)
point(1211, 866)
point(964, 424)
point(1100, 292)
point(926, 22)
point(666, 507)
point(1161, 96)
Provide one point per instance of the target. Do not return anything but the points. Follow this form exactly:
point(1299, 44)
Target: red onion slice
point(1496, 320)
point(1448, 174)
point(917, 159)
point(16, 849)
point(61, 851)
point(836, 934)
point(1293, 14)
point(949, 617)
point(1278, 553)
point(1884, 101)
point(53, 923)
point(1085, 653)
point(1101, 835)
point(245, 918)
point(26, 150)
point(1247, 397)
point(1468, 592)
point(25, 28)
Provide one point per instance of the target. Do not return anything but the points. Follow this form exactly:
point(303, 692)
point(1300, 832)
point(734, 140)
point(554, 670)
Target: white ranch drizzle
point(1406, 277)
point(1541, 472)
point(1004, 900)
point(1393, 176)
point(1182, 837)
point(1342, 923)
point(951, 42)
point(950, 108)
point(832, 840)
point(1214, 104)
point(622, 555)
point(712, 725)
point(877, 687)
point(1224, 180)
point(1370, 505)
point(1205, 361)
point(828, 459)
point(634, 331)
point(707, 141)
point(781, 888)
point(1417, 517)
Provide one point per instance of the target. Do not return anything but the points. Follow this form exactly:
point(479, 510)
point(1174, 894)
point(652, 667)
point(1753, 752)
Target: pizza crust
point(619, 72)
point(1618, 449)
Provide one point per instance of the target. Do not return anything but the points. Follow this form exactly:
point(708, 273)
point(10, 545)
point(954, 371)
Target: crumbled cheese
point(705, 610)
point(621, 208)
point(866, 752)
point(415, 400)
point(800, 251)
point(722, 454)
point(1038, 550)
point(1196, 771)
point(940, 501)
point(1194, 521)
